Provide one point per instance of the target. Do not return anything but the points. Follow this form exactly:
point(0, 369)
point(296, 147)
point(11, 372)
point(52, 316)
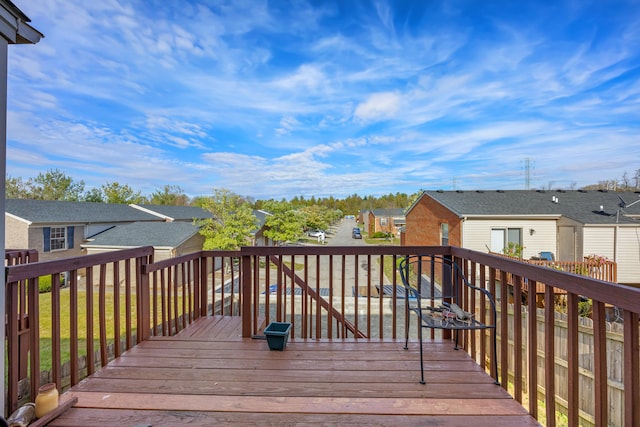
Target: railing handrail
point(19, 272)
point(623, 296)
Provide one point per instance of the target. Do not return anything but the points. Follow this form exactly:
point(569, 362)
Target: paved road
point(342, 236)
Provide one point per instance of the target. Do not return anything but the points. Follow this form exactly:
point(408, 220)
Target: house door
point(567, 244)
point(497, 239)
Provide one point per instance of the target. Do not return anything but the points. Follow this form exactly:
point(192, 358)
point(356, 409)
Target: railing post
point(12, 344)
point(245, 262)
point(142, 295)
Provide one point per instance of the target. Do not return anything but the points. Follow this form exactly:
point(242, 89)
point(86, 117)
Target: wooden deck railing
point(602, 269)
point(326, 292)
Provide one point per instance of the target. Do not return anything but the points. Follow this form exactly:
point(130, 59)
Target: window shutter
point(70, 237)
point(47, 239)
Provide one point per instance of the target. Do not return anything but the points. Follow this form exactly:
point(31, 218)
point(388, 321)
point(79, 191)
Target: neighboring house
point(169, 239)
point(56, 229)
point(385, 220)
point(571, 224)
point(363, 218)
point(259, 239)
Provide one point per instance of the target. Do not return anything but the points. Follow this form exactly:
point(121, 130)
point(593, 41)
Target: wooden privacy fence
point(586, 359)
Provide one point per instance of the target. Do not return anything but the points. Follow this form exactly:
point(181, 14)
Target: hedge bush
point(44, 283)
point(381, 235)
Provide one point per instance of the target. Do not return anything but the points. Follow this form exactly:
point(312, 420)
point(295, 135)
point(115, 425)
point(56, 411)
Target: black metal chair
point(449, 303)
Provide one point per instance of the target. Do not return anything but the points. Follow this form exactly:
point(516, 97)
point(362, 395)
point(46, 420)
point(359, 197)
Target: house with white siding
point(569, 224)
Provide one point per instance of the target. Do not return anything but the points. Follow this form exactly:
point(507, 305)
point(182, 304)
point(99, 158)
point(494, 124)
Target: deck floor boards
point(209, 375)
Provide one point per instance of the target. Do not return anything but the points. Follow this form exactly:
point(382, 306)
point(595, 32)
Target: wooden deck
point(209, 375)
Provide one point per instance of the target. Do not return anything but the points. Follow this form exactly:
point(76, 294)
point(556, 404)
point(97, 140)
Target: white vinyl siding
point(629, 255)
point(477, 234)
point(599, 241)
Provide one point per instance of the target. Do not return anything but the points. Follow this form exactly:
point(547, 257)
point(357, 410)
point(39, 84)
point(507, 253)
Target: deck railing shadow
point(123, 298)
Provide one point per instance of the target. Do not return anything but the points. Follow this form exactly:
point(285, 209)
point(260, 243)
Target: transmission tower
point(527, 173)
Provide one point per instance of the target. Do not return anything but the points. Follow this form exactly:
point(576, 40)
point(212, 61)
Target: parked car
point(315, 233)
point(356, 234)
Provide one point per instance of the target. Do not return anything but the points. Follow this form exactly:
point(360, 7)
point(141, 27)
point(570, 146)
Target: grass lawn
point(65, 324)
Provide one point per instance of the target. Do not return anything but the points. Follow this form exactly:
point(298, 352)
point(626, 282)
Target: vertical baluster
point(532, 345)
point(517, 336)
point(90, 317)
point(102, 315)
point(573, 390)
point(73, 325)
point(504, 330)
point(116, 308)
point(549, 356)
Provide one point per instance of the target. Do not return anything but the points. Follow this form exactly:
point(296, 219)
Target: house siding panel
point(16, 233)
point(194, 244)
point(628, 255)
point(36, 241)
point(599, 241)
point(477, 234)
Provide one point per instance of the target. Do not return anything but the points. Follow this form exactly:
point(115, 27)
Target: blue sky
point(319, 98)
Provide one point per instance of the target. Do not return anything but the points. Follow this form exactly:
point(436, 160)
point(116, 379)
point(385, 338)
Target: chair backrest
point(430, 276)
point(436, 277)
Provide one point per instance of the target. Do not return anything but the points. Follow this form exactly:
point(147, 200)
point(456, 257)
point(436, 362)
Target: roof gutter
point(503, 216)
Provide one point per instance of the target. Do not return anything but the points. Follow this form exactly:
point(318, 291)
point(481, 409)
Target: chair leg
point(455, 340)
point(406, 331)
point(495, 358)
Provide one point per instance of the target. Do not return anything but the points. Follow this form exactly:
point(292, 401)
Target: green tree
point(16, 188)
point(171, 195)
point(233, 222)
point(114, 192)
point(285, 224)
point(315, 217)
point(55, 185)
point(94, 195)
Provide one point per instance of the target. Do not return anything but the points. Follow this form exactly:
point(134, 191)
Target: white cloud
point(324, 99)
point(379, 106)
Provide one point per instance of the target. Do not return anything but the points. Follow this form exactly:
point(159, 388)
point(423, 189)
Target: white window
point(501, 237)
point(514, 235)
point(58, 238)
point(383, 220)
point(444, 234)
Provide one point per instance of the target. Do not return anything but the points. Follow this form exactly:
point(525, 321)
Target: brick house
point(385, 220)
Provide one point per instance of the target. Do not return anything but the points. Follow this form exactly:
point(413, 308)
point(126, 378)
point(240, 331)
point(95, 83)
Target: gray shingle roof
point(157, 234)
point(59, 212)
point(179, 213)
point(581, 206)
point(388, 212)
